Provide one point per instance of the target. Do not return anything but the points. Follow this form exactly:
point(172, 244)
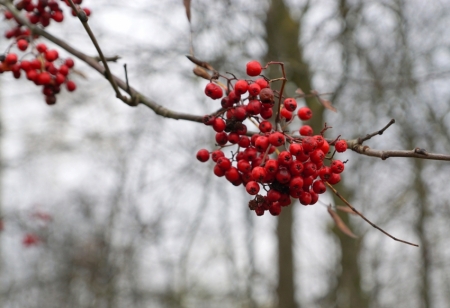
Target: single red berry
point(253, 107)
point(276, 139)
point(325, 173)
point(241, 86)
point(265, 126)
point(25, 65)
point(219, 125)
point(233, 138)
point(11, 59)
point(317, 156)
point(273, 195)
point(296, 183)
point(262, 83)
point(219, 171)
point(341, 146)
point(283, 176)
point(250, 153)
point(234, 97)
point(240, 113)
point(58, 16)
point(244, 166)
point(309, 168)
point(305, 198)
point(266, 113)
point(63, 69)
point(222, 138)
point(203, 155)
point(224, 163)
point(262, 143)
point(309, 144)
point(8, 15)
point(36, 64)
point(304, 113)
point(244, 142)
point(215, 155)
point(275, 208)
point(32, 74)
point(41, 47)
point(285, 158)
point(295, 149)
point(60, 79)
point(286, 114)
point(44, 78)
point(71, 86)
point(319, 187)
point(69, 62)
point(334, 178)
point(253, 68)
point(290, 104)
point(337, 166)
point(87, 11)
point(233, 176)
point(314, 197)
point(296, 168)
point(213, 90)
point(51, 55)
point(306, 130)
point(271, 166)
point(22, 44)
point(254, 89)
point(252, 188)
point(320, 141)
point(259, 211)
point(325, 147)
point(258, 174)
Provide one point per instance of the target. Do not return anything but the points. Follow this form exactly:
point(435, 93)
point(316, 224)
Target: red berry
point(266, 96)
point(305, 198)
point(275, 209)
point(258, 174)
point(213, 90)
point(203, 155)
point(285, 158)
point(286, 114)
point(71, 86)
point(244, 142)
point(233, 138)
point(276, 139)
point(306, 130)
point(283, 176)
point(262, 143)
point(337, 166)
point(254, 89)
point(325, 147)
point(262, 83)
point(304, 113)
point(11, 59)
point(266, 113)
point(51, 55)
point(64, 69)
point(8, 15)
point(253, 68)
point(290, 104)
point(295, 149)
point(296, 167)
point(69, 62)
point(309, 144)
point(44, 78)
point(334, 178)
point(265, 126)
point(240, 87)
point(22, 44)
point(319, 187)
point(30, 239)
point(219, 125)
point(273, 195)
point(253, 107)
point(222, 138)
point(223, 163)
point(341, 146)
point(252, 188)
point(233, 176)
point(325, 173)
point(215, 155)
point(271, 166)
point(41, 47)
point(296, 183)
point(58, 16)
point(219, 171)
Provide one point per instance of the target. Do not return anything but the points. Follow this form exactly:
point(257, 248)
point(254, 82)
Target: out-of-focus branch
point(367, 220)
point(92, 62)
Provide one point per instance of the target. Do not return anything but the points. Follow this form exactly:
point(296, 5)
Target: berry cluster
point(43, 67)
point(299, 169)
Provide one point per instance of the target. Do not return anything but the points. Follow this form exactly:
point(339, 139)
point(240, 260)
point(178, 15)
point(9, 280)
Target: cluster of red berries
point(299, 170)
point(38, 12)
point(45, 68)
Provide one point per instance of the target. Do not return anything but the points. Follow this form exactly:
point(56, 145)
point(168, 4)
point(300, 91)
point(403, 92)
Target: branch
point(92, 62)
point(367, 220)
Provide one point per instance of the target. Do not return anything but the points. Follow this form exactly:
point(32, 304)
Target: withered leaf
point(327, 104)
point(199, 71)
point(187, 5)
point(345, 209)
point(340, 224)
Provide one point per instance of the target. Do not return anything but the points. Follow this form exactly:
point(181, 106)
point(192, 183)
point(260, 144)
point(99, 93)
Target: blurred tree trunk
point(283, 37)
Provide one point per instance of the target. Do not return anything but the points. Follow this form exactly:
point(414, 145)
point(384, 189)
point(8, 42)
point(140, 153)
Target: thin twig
point(84, 21)
point(363, 217)
point(380, 132)
point(158, 109)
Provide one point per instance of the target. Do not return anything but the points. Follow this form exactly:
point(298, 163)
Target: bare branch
point(367, 220)
point(416, 153)
point(380, 132)
point(92, 62)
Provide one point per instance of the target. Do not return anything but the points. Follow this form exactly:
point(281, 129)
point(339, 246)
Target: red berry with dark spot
point(305, 198)
point(222, 138)
point(319, 187)
point(337, 166)
point(306, 130)
point(254, 89)
point(290, 104)
point(334, 178)
point(341, 146)
point(213, 90)
point(276, 139)
point(252, 188)
point(22, 44)
point(240, 87)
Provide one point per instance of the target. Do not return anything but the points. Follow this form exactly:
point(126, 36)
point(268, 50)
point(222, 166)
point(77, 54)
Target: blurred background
point(104, 205)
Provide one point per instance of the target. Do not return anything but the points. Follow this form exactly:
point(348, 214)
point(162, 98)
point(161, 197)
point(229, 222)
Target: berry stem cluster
point(273, 165)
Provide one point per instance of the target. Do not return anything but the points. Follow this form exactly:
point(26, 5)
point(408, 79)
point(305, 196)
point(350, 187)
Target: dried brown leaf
point(200, 63)
point(300, 92)
point(199, 71)
point(187, 5)
point(327, 104)
point(340, 224)
point(345, 209)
